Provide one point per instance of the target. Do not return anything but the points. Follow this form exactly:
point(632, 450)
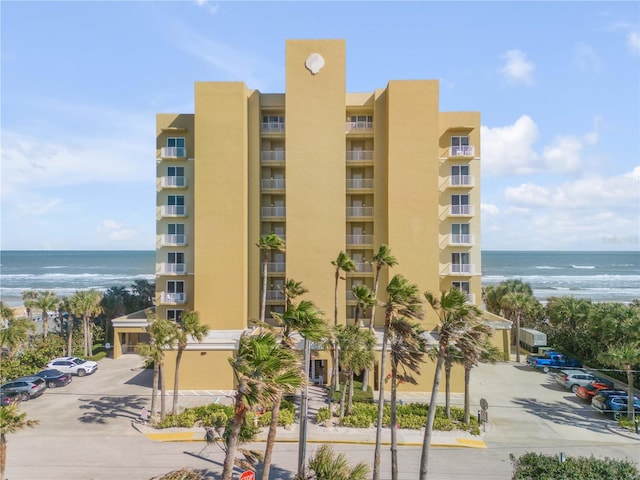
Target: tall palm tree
point(268, 243)
point(625, 356)
point(408, 347)
point(291, 290)
point(86, 305)
point(29, 297)
point(382, 258)
point(365, 298)
point(261, 367)
point(472, 344)
point(454, 313)
point(355, 348)
point(188, 326)
point(46, 301)
point(492, 295)
point(403, 300)
point(517, 306)
point(11, 422)
point(343, 263)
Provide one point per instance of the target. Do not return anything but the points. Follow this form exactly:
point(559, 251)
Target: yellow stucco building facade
point(328, 171)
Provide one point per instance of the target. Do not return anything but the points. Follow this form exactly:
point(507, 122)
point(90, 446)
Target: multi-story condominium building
point(327, 171)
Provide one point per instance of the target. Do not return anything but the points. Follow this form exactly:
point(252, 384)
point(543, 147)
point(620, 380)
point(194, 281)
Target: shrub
point(549, 467)
point(356, 421)
point(323, 414)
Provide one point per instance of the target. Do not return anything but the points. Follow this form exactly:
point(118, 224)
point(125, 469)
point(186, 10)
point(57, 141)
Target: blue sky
point(557, 85)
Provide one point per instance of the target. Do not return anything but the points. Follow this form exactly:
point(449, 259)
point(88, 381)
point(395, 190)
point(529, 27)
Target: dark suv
point(26, 387)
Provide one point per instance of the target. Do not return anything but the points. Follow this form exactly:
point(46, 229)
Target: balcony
point(460, 239)
point(173, 152)
point(359, 240)
point(171, 268)
point(359, 211)
point(359, 156)
point(363, 267)
point(461, 210)
point(462, 151)
point(272, 183)
point(461, 269)
point(272, 156)
point(276, 267)
point(461, 181)
point(272, 127)
point(174, 211)
point(173, 240)
point(359, 127)
point(471, 298)
point(173, 182)
point(178, 298)
point(273, 212)
point(275, 295)
point(280, 235)
point(359, 183)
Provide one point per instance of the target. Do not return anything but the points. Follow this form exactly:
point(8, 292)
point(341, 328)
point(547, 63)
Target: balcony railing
point(462, 269)
point(174, 239)
point(272, 155)
point(175, 182)
point(275, 295)
point(274, 211)
point(460, 239)
point(462, 151)
point(359, 183)
point(359, 240)
point(471, 298)
point(462, 210)
point(173, 152)
point(272, 127)
point(272, 183)
point(362, 267)
point(359, 211)
point(173, 268)
point(359, 155)
point(174, 297)
point(276, 267)
point(359, 126)
point(174, 210)
point(461, 181)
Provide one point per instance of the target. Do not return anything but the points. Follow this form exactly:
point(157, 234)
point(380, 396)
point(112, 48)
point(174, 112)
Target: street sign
point(484, 404)
point(248, 475)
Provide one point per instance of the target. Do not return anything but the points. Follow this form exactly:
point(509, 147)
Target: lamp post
point(304, 410)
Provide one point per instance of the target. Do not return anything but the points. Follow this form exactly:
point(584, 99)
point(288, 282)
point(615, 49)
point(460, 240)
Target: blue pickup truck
point(553, 361)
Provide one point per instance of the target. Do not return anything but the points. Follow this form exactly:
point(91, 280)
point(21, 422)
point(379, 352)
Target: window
point(174, 315)
point(175, 177)
point(175, 142)
point(175, 171)
point(460, 141)
point(273, 119)
point(176, 205)
point(175, 200)
point(175, 286)
point(460, 258)
point(175, 257)
point(462, 286)
point(361, 119)
point(175, 229)
point(458, 170)
point(460, 233)
point(460, 205)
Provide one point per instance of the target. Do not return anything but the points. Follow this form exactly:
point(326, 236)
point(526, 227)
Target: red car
point(587, 392)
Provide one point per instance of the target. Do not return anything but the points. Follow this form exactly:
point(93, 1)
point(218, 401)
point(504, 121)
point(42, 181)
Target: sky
point(557, 85)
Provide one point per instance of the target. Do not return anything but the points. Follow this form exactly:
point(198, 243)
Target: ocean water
point(599, 276)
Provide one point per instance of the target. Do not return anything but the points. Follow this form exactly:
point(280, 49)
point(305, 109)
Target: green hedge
point(549, 467)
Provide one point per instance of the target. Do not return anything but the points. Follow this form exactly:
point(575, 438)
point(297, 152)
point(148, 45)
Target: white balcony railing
point(173, 268)
point(359, 240)
point(471, 298)
point(174, 210)
point(173, 152)
point(359, 211)
point(272, 183)
point(174, 297)
point(174, 239)
point(175, 182)
point(460, 239)
point(275, 295)
point(461, 181)
point(274, 211)
point(462, 269)
point(359, 183)
point(359, 126)
point(462, 210)
point(276, 267)
point(362, 267)
point(359, 155)
point(462, 151)
point(272, 127)
point(272, 155)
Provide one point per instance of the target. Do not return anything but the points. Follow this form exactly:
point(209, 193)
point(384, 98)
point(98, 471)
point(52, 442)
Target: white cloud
point(517, 68)
point(489, 209)
point(633, 41)
point(116, 231)
point(213, 9)
point(587, 59)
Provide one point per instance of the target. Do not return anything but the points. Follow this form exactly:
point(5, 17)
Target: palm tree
point(291, 290)
point(267, 243)
point(454, 313)
point(492, 295)
point(403, 300)
point(29, 297)
point(343, 263)
point(15, 334)
point(625, 356)
point(6, 312)
point(11, 422)
point(382, 258)
point(326, 465)
point(452, 356)
point(86, 304)
point(471, 344)
point(144, 292)
point(261, 367)
point(365, 298)
point(356, 353)
point(517, 305)
point(188, 326)
point(46, 301)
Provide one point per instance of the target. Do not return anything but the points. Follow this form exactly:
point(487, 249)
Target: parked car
point(587, 392)
point(572, 379)
point(55, 378)
point(73, 365)
point(7, 398)
point(27, 387)
point(616, 404)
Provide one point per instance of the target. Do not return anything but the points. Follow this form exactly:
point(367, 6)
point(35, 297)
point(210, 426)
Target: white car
point(572, 379)
point(73, 365)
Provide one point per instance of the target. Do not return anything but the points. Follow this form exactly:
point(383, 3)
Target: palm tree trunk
point(163, 391)
point(365, 374)
point(154, 389)
point(467, 377)
point(70, 334)
point(3, 454)
point(335, 381)
point(271, 436)
point(394, 426)
point(176, 380)
point(631, 411)
point(447, 389)
point(518, 337)
point(426, 443)
point(232, 447)
point(343, 395)
point(45, 323)
point(263, 306)
point(350, 401)
point(383, 363)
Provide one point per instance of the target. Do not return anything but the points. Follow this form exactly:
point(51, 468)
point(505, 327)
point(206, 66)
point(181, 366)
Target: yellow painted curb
point(470, 442)
point(173, 437)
